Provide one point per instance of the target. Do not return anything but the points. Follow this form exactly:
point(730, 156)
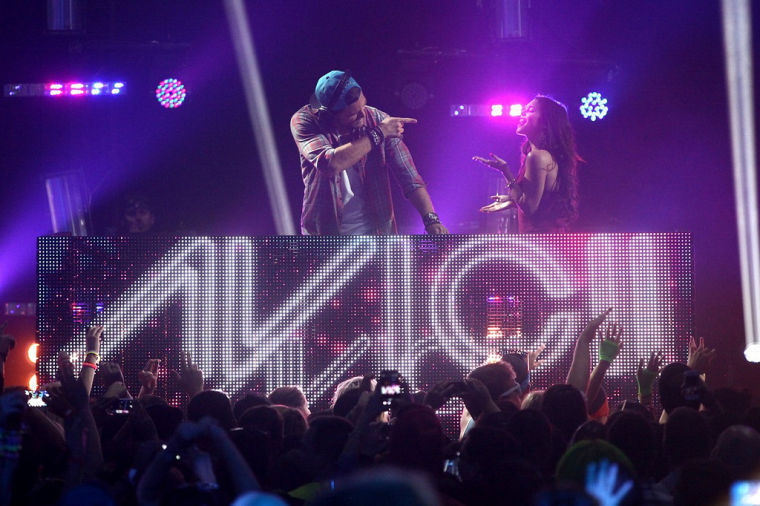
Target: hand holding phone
point(121, 406)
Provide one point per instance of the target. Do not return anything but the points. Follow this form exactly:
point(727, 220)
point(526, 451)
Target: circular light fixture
point(171, 93)
point(594, 106)
point(31, 352)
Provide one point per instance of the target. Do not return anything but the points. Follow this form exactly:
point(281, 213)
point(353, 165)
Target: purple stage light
point(515, 110)
point(497, 110)
point(594, 106)
point(171, 93)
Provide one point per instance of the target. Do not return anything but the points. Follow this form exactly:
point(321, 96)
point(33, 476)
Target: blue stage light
point(594, 106)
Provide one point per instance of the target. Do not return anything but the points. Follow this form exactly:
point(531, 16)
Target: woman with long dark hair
point(546, 187)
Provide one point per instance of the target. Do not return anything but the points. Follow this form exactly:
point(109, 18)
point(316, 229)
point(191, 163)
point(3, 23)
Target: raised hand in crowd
point(441, 392)
point(477, 399)
point(602, 483)
point(92, 356)
point(190, 376)
point(533, 361)
point(700, 357)
point(609, 347)
point(578, 375)
point(183, 443)
point(81, 432)
point(646, 376)
point(148, 377)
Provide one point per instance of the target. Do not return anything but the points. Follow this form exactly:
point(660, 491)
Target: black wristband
point(430, 219)
point(375, 136)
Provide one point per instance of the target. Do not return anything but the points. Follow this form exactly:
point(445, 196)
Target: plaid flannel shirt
point(322, 199)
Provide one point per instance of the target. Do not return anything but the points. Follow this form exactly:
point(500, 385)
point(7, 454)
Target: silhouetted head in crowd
point(573, 465)
point(213, 403)
point(519, 363)
point(482, 448)
point(565, 408)
point(326, 437)
point(532, 431)
point(533, 400)
point(702, 482)
point(590, 429)
point(380, 487)
point(293, 426)
point(249, 400)
point(499, 378)
point(264, 420)
point(634, 435)
point(686, 436)
point(166, 418)
point(634, 406)
point(291, 396)
point(345, 386)
point(738, 447)
point(417, 439)
point(346, 402)
point(669, 385)
point(493, 471)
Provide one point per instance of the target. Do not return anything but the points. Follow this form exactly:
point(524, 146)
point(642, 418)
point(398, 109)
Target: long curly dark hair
point(558, 139)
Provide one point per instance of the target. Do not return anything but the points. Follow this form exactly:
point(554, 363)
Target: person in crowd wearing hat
point(347, 151)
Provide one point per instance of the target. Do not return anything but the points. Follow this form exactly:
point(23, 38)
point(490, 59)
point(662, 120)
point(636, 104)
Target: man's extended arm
point(420, 199)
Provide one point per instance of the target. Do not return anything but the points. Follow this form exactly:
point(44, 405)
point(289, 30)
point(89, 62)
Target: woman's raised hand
point(494, 162)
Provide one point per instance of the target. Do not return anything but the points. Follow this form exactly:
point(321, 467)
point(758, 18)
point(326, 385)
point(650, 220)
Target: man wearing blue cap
point(347, 151)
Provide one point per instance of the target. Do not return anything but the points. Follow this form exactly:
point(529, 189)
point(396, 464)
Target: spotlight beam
point(737, 40)
point(258, 111)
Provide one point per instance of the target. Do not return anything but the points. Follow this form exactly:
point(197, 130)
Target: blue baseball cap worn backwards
point(327, 92)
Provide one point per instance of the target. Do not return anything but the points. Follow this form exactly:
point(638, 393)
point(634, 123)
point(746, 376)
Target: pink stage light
point(515, 110)
point(171, 93)
point(497, 110)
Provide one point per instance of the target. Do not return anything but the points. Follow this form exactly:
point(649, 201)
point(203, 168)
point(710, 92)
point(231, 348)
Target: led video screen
point(256, 313)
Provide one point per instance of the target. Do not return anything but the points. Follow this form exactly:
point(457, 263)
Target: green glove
point(608, 350)
point(645, 379)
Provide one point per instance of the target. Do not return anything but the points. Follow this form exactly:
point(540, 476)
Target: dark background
point(660, 161)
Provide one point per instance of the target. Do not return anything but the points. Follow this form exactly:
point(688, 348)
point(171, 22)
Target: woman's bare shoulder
point(541, 159)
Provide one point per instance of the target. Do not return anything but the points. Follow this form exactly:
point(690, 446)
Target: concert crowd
point(380, 443)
